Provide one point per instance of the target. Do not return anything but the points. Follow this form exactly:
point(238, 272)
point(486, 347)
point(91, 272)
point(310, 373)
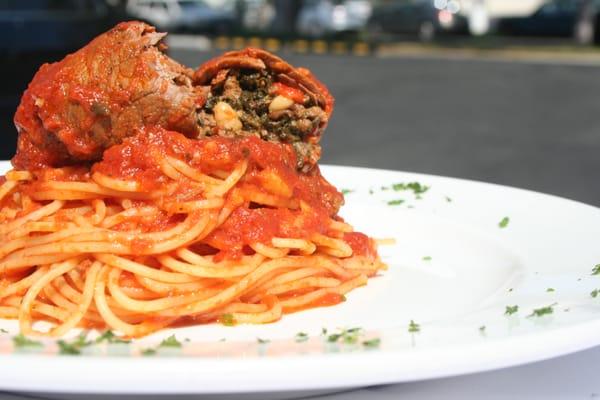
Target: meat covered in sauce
point(76, 108)
point(120, 82)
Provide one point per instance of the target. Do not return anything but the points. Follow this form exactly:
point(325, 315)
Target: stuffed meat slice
point(253, 92)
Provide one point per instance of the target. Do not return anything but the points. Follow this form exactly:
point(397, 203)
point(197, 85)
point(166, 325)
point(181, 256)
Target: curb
point(300, 46)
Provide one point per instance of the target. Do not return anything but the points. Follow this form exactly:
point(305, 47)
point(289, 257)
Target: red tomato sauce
point(271, 170)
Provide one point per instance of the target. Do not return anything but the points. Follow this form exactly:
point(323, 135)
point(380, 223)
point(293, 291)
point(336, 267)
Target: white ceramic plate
point(453, 271)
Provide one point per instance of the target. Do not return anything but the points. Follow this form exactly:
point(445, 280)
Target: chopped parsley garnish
point(510, 310)
point(3, 330)
point(504, 222)
point(372, 343)
point(323, 331)
point(482, 329)
point(110, 337)
point(414, 327)
point(416, 187)
point(346, 191)
point(171, 341)
point(351, 336)
point(301, 337)
point(348, 336)
point(595, 293)
point(21, 341)
point(427, 258)
point(262, 341)
point(539, 312)
point(395, 202)
point(510, 289)
point(448, 199)
point(227, 320)
point(371, 191)
point(550, 290)
point(149, 351)
point(596, 270)
point(73, 348)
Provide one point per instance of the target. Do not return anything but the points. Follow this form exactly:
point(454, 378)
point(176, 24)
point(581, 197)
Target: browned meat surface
point(76, 108)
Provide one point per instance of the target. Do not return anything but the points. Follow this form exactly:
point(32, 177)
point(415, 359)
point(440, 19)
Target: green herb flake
point(324, 331)
point(482, 329)
point(549, 290)
point(347, 336)
point(504, 222)
point(149, 351)
point(3, 330)
point(371, 191)
point(75, 346)
point(595, 293)
point(171, 341)
point(347, 191)
point(414, 327)
point(510, 289)
point(448, 199)
point(351, 336)
point(227, 320)
point(301, 337)
point(427, 258)
point(334, 337)
point(416, 187)
point(21, 341)
point(539, 312)
point(110, 337)
point(67, 348)
point(596, 270)
point(395, 202)
point(371, 343)
point(262, 341)
point(510, 310)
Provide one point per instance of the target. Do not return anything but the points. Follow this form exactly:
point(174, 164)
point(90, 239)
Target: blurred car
point(557, 18)
point(49, 25)
point(424, 18)
point(183, 15)
point(322, 17)
point(257, 15)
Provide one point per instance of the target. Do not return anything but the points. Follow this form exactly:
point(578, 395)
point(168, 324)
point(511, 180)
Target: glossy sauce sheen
point(138, 159)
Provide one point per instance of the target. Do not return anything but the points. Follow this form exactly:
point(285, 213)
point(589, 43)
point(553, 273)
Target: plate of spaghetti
point(173, 229)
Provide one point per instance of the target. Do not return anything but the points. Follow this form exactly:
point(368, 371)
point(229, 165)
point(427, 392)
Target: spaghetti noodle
point(167, 230)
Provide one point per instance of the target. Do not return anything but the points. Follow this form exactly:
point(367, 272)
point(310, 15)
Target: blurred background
point(506, 91)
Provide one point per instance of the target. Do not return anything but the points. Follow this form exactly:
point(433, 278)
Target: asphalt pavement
point(526, 124)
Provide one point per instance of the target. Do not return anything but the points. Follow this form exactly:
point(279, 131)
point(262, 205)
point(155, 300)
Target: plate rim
point(460, 359)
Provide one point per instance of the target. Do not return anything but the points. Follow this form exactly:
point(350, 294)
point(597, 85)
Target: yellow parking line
point(238, 42)
point(272, 44)
point(319, 47)
point(360, 49)
point(300, 46)
point(222, 42)
point(255, 42)
point(339, 48)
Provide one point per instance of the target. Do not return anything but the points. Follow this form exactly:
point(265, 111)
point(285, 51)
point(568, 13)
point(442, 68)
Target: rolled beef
point(76, 108)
